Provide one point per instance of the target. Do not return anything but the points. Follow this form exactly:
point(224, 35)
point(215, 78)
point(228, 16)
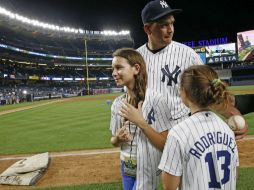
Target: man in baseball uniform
point(166, 59)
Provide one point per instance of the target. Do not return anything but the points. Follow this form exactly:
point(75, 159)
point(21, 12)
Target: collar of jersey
point(158, 50)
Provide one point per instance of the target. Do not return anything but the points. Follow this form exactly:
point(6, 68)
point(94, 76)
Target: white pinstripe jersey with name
point(164, 69)
point(202, 149)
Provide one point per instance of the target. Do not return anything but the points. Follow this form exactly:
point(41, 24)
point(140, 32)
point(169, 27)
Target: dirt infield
point(98, 166)
point(71, 168)
point(246, 91)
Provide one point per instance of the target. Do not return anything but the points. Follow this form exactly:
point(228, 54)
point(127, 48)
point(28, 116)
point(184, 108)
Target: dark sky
point(200, 19)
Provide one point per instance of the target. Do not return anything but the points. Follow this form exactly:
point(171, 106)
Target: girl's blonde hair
point(204, 88)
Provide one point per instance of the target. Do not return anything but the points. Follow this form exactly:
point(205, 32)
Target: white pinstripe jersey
point(156, 112)
point(202, 149)
point(115, 124)
point(164, 69)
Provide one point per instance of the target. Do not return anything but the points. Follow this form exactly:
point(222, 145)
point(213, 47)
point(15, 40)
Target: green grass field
point(72, 125)
point(62, 126)
point(247, 87)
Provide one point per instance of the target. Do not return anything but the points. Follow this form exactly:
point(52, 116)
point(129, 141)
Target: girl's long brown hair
point(133, 57)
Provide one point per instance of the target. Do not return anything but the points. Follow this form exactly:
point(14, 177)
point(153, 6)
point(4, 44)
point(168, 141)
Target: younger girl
point(201, 152)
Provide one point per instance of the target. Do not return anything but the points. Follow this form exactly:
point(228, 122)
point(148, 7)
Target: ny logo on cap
point(163, 4)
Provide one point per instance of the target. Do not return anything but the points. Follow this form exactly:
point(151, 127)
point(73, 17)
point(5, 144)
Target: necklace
point(123, 120)
point(199, 111)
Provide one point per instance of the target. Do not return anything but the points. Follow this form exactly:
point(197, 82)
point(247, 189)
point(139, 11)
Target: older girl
point(141, 140)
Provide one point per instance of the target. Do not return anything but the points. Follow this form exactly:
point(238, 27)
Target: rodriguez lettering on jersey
point(210, 139)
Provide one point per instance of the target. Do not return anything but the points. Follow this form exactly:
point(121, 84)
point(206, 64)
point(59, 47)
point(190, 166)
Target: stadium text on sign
point(208, 42)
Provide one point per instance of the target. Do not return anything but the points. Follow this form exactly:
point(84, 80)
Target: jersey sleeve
point(164, 119)
point(171, 160)
point(196, 59)
point(114, 121)
point(237, 158)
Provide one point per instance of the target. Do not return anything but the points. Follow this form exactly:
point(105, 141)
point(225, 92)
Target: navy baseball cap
point(155, 10)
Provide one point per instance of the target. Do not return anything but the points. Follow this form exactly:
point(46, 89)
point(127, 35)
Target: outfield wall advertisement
point(221, 53)
point(245, 44)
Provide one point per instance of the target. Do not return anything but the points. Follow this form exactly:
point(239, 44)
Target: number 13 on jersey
point(215, 183)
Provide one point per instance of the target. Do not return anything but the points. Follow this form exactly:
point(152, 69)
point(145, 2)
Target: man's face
point(161, 32)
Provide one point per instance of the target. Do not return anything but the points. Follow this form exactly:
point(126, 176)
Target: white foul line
point(87, 153)
point(64, 154)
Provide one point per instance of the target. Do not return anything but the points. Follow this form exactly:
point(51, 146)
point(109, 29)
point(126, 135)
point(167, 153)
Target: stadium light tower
point(87, 82)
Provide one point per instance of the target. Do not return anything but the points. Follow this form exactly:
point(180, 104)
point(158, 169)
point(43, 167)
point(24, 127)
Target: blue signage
point(208, 42)
point(229, 58)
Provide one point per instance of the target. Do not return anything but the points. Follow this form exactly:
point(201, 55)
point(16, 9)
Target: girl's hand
point(123, 134)
point(132, 114)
